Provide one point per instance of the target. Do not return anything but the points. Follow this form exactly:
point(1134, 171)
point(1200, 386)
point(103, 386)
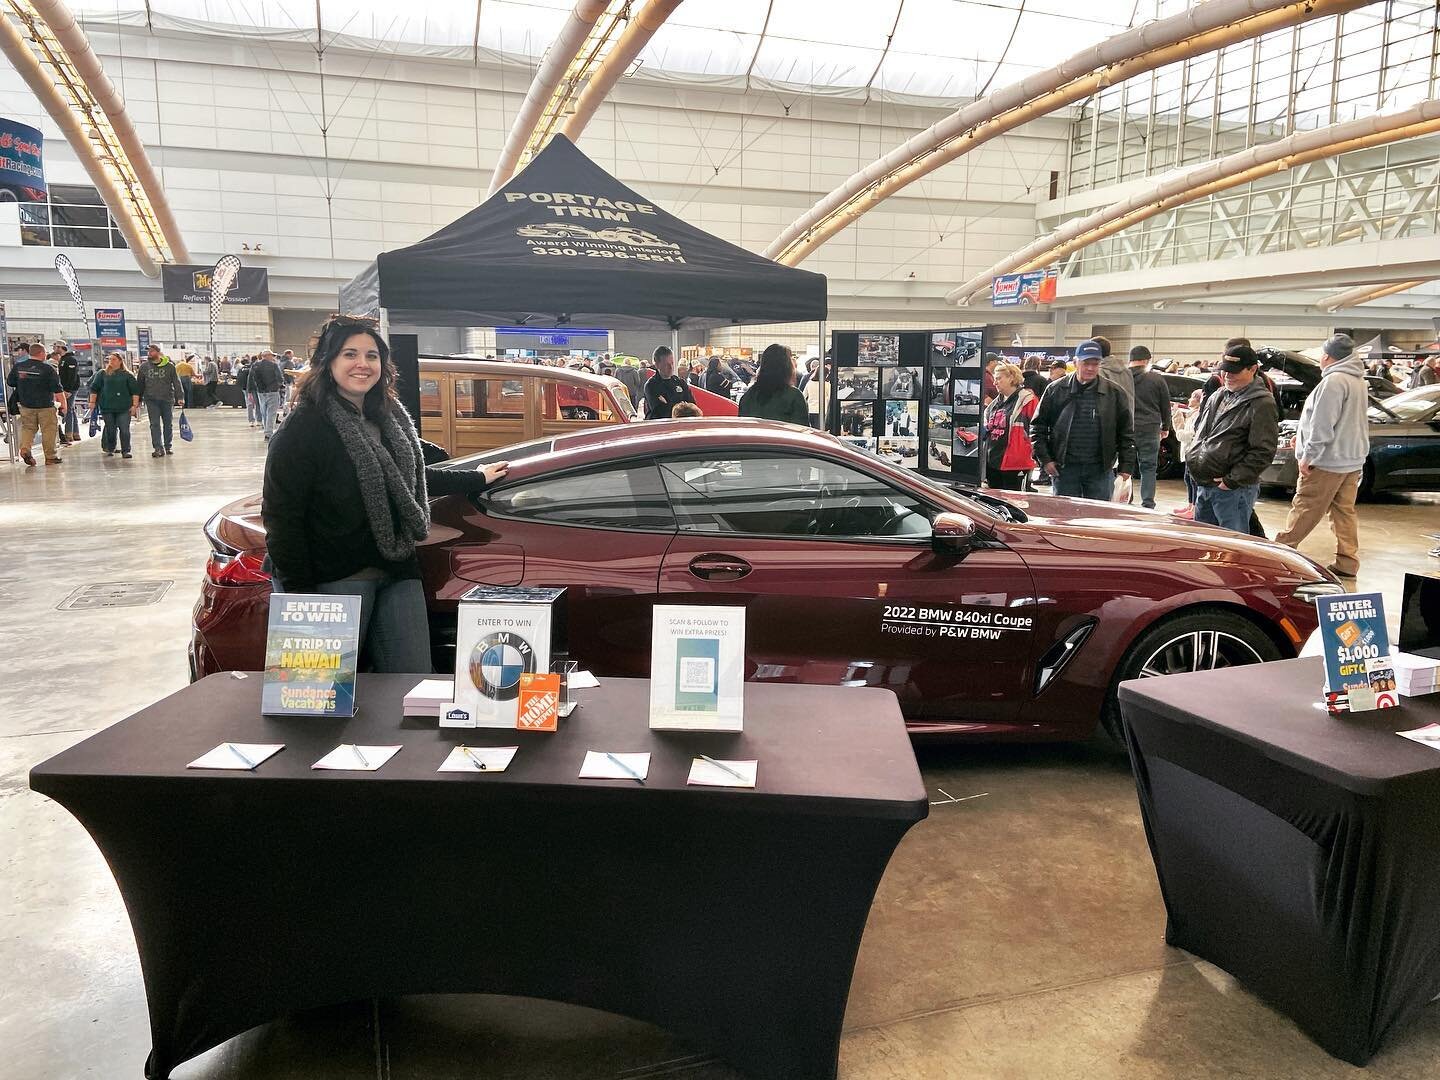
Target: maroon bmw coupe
point(993, 617)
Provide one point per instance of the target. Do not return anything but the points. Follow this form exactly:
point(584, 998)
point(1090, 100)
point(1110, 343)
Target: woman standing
point(346, 495)
point(718, 379)
point(773, 395)
point(116, 393)
point(1007, 419)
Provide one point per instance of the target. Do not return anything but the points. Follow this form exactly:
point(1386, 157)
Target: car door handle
point(719, 567)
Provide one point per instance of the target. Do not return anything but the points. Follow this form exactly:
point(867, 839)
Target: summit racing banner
point(185, 284)
point(1017, 290)
point(605, 229)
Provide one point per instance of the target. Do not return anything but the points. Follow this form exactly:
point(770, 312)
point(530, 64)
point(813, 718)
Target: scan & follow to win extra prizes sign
point(1359, 673)
point(311, 651)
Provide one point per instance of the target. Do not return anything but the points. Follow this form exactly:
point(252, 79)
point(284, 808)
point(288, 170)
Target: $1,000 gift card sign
point(497, 644)
point(697, 669)
point(1358, 668)
point(310, 654)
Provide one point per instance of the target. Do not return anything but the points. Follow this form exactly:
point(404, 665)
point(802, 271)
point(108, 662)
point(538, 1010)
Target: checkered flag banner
point(222, 280)
point(66, 269)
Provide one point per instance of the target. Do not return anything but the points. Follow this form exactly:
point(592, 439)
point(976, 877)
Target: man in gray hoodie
point(1330, 450)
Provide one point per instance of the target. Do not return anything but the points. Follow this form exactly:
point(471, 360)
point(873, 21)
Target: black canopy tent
point(565, 243)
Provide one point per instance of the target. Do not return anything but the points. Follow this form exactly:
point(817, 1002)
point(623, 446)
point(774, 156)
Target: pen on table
point(724, 768)
point(466, 751)
point(236, 751)
point(625, 768)
point(359, 755)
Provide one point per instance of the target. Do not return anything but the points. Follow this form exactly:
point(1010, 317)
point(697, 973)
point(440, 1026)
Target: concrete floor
point(1018, 933)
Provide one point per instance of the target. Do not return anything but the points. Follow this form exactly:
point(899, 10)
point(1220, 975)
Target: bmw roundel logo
point(498, 661)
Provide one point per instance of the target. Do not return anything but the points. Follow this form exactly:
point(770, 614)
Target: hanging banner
point(222, 280)
point(22, 168)
point(187, 284)
point(1019, 290)
point(110, 328)
point(142, 336)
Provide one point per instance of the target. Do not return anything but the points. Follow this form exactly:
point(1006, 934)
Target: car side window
point(484, 399)
point(430, 397)
point(628, 497)
point(569, 401)
point(790, 496)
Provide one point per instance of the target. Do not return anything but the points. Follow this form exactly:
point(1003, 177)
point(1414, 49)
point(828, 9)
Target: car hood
point(1083, 525)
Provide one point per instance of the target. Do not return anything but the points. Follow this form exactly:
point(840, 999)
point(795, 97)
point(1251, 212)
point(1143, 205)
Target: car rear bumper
point(1282, 471)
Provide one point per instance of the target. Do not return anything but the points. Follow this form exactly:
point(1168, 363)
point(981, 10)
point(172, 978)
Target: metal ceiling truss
point(1327, 202)
point(1201, 29)
point(52, 54)
point(1365, 293)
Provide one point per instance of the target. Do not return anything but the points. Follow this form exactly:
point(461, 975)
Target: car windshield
point(1411, 405)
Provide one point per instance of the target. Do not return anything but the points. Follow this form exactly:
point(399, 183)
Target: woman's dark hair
point(713, 366)
point(319, 385)
point(775, 372)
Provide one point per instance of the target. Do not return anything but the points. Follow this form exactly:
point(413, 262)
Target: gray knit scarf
point(392, 478)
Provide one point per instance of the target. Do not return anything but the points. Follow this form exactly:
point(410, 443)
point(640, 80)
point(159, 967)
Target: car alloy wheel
point(1199, 650)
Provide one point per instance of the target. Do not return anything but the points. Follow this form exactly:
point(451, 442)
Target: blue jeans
point(252, 407)
point(1228, 509)
point(1147, 448)
point(161, 414)
point(1190, 487)
point(270, 410)
point(189, 388)
point(1086, 482)
point(394, 626)
point(117, 428)
point(72, 419)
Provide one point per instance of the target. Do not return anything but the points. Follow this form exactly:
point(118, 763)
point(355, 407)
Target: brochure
point(1357, 652)
point(311, 651)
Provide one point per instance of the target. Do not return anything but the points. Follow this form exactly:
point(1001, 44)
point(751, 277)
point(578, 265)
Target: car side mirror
point(952, 534)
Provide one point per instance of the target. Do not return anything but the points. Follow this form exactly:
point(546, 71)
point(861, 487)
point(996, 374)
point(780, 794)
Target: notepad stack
point(429, 697)
point(1416, 675)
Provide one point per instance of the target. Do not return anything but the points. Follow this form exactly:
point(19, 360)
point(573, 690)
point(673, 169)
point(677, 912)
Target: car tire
point(1167, 648)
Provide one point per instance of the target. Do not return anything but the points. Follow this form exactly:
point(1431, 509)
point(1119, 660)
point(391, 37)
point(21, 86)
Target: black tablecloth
point(1296, 850)
point(729, 916)
point(230, 394)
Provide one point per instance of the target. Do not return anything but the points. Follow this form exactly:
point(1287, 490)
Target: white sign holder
point(697, 669)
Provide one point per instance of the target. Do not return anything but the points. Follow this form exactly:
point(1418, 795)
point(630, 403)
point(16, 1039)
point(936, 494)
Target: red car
point(989, 616)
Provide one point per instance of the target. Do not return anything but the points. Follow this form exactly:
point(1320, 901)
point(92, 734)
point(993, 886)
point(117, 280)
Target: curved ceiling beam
point(60, 91)
point(637, 35)
point(1198, 181)
point(1364, 294)
point(114, 136)
point(546, 87)
point(1204, 28)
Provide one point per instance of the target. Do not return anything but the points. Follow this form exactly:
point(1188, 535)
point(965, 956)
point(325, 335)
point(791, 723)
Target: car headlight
point(1311, 589)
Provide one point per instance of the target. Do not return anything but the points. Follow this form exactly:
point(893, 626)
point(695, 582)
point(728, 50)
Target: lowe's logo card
point(1352, 632)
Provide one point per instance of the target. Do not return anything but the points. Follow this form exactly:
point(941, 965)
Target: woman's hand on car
point(495, 471)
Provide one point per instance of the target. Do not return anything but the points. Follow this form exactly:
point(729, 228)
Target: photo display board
point(913, 397)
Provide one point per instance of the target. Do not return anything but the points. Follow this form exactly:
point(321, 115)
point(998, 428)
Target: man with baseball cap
point(1235, 437)
point(1331, 445)
point(1082, 430)
point(1152, 420)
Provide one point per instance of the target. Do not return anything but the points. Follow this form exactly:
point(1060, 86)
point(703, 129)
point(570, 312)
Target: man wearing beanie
point(1235, 437)
point(1152, 420)
point(1331, 445)
point(1082, 430)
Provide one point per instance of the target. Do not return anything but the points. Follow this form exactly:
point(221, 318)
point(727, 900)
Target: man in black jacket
point(1082, 430)
point(1152, 420)
point(69, 367)
point(35, 384)
point(267, 383)
point(1235, 437)
point(665, 390)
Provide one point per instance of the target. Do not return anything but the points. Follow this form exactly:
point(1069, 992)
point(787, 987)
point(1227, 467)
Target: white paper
point(583, 680)
point(705, 774)
point(360, 758)
point(1429, 735)
point(229, 756)
point(598, 766)
point(470, 758)
point(431, 692)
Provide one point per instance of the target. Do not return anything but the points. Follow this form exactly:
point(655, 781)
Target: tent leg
point(824, 383)
point(675, 349)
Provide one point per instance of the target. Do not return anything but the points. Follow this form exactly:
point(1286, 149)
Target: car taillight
point(236, 570)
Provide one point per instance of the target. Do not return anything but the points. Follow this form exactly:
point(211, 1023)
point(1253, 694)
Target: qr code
point(697, 675)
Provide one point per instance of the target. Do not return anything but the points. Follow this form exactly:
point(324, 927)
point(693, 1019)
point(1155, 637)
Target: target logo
point(497, 662)
point(1386, 699)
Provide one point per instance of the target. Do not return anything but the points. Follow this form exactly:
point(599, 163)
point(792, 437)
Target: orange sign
point(539, 705)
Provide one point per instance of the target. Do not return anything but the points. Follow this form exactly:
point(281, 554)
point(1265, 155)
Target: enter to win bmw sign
point(502, 634)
